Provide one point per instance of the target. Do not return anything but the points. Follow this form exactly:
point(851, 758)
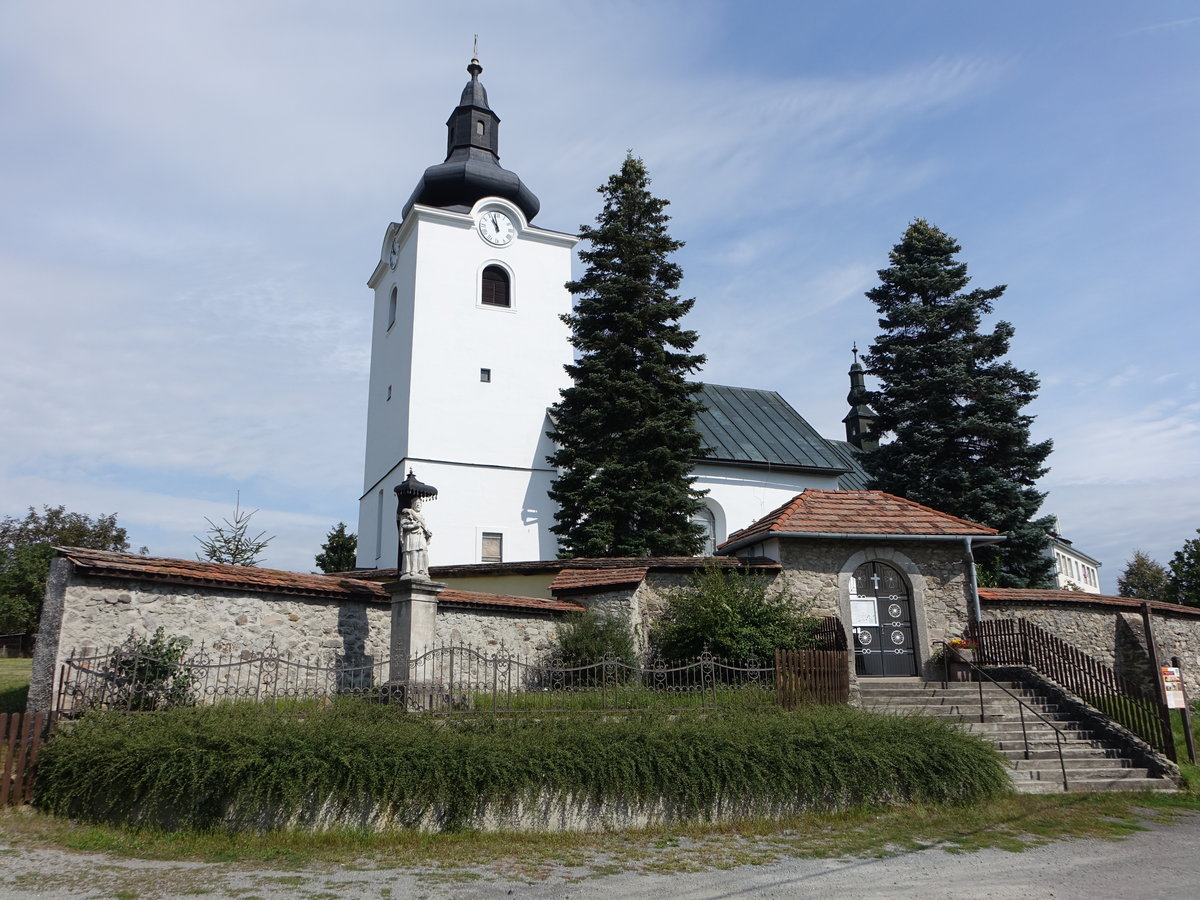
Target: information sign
point(1172, 680)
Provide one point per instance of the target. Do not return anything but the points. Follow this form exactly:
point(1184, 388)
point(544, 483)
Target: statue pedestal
point(414, 621)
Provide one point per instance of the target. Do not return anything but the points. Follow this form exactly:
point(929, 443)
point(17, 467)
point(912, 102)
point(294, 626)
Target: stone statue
point(414, 541)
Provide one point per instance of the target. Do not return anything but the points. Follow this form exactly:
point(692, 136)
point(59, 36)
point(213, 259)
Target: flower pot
point(965, 654)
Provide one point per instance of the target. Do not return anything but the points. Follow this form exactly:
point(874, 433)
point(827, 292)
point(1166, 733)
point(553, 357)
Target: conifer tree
point(1144, 578)
point(231, 543)
point(625, 427)
point(953, 406)
point(339, 552)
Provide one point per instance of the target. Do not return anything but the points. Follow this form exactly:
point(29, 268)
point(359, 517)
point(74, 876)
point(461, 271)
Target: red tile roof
point(853, 513)
point(245, 578)
point(1032, 595)
point(588, 579)
point(482, 600)
point(106, 564)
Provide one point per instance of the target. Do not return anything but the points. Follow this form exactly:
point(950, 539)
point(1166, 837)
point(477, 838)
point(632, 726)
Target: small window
point(495, 287)
point(493, 547)
point(479, 127)
point(392, 309)
point(379, 527)
point(485, 375)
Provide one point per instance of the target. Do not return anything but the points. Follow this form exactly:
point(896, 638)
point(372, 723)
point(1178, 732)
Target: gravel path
point(1162, 862)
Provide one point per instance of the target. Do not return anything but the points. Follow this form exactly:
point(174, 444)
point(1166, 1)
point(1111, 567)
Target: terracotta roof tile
point(1033, 595)
point(108, 564)
point(244, 578)
point(587, 579)
point(851, 513)
point(477, 598)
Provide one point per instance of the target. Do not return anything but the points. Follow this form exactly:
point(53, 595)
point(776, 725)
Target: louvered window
point(495, 287)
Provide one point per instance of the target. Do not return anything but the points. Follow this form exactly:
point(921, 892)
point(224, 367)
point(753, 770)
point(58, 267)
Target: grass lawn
point(14, 683)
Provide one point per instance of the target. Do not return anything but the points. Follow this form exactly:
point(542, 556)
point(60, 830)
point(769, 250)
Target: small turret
point(861, 417)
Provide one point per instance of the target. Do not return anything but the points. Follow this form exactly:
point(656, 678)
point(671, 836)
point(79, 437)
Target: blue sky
point(195, 194)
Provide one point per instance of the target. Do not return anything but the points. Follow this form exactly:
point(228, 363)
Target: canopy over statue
point(413, 556)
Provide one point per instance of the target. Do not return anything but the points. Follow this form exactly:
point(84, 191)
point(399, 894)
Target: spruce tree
point(1144, 578)
point(953, 406)
point(339, 552)
point(625, 427)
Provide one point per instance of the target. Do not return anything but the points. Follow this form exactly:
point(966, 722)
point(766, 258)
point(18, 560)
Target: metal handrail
point(1021, 705)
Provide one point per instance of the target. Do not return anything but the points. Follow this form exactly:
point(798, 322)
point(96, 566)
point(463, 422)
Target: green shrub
point(241, 768)
point(736, 615)
point(586, 637)
point(146, 673)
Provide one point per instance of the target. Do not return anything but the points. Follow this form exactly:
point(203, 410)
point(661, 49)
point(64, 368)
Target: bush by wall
point(242, 768)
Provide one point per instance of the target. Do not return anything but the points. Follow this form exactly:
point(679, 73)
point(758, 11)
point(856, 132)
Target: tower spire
point(861, 417)
point(472, 169)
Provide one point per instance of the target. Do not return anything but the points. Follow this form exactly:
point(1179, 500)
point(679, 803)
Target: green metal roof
point(759, 428)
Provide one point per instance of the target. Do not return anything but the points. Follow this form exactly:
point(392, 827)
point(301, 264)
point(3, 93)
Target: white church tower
point(467, 354)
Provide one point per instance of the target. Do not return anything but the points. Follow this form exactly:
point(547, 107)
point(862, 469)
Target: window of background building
point(493, 547)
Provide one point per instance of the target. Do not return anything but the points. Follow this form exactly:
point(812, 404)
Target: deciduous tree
point(1185, 573)
point(1144, 578)
point(26, 548)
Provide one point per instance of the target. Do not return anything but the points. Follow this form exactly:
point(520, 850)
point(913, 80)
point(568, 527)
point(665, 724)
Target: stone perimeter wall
point(1114, 636)
point(89, 613)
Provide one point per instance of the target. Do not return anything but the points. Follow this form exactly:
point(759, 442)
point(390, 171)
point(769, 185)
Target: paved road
point(1163, 862)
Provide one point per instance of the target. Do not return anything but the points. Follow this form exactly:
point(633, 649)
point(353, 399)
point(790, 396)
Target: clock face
point(496, 228)
point(394, 253)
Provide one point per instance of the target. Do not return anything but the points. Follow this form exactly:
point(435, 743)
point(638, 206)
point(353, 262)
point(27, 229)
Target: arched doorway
point(881, 617)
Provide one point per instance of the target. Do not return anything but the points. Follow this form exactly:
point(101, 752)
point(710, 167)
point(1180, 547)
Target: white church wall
point(472, 500)
point(391, 358)
point(453, 414)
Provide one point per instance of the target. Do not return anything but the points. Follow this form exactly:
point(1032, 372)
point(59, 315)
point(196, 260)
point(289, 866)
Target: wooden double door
point(882, 622)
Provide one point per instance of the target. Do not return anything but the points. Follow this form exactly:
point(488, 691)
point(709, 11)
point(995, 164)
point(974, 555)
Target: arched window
point(706, 520)
point(496, 287)
point(392, 309)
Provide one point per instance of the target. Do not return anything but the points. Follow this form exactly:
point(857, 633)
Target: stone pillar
point(414, 621)
point(46, 650)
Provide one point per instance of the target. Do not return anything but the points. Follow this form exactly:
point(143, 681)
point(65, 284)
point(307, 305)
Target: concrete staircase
point(1090, 765)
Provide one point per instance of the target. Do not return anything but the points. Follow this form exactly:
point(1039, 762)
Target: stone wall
point(88, 613)
point(102, 613)
point(819, 570)
point(529, 635)
point(1113, 633)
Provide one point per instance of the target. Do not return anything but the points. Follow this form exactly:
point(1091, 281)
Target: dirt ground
point(1161, 862)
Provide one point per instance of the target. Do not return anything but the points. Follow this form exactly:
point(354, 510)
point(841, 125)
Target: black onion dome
point(472, 168)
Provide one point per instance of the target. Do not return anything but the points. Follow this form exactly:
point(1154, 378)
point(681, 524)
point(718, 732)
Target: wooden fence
point(811, 676)
point(21, 739)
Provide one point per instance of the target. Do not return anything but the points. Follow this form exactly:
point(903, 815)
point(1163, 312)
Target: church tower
point(467, 354)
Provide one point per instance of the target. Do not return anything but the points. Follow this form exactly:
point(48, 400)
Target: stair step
point(1095, 785)
point(1079, 762)
point(1054, 773)
point(1070, 751)
point(1090, 766)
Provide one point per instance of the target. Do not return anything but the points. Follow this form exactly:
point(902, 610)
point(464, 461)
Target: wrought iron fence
point(1019, 642)
point(445, 679)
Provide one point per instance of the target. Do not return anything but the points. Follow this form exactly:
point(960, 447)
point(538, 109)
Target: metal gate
point(881, 618)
